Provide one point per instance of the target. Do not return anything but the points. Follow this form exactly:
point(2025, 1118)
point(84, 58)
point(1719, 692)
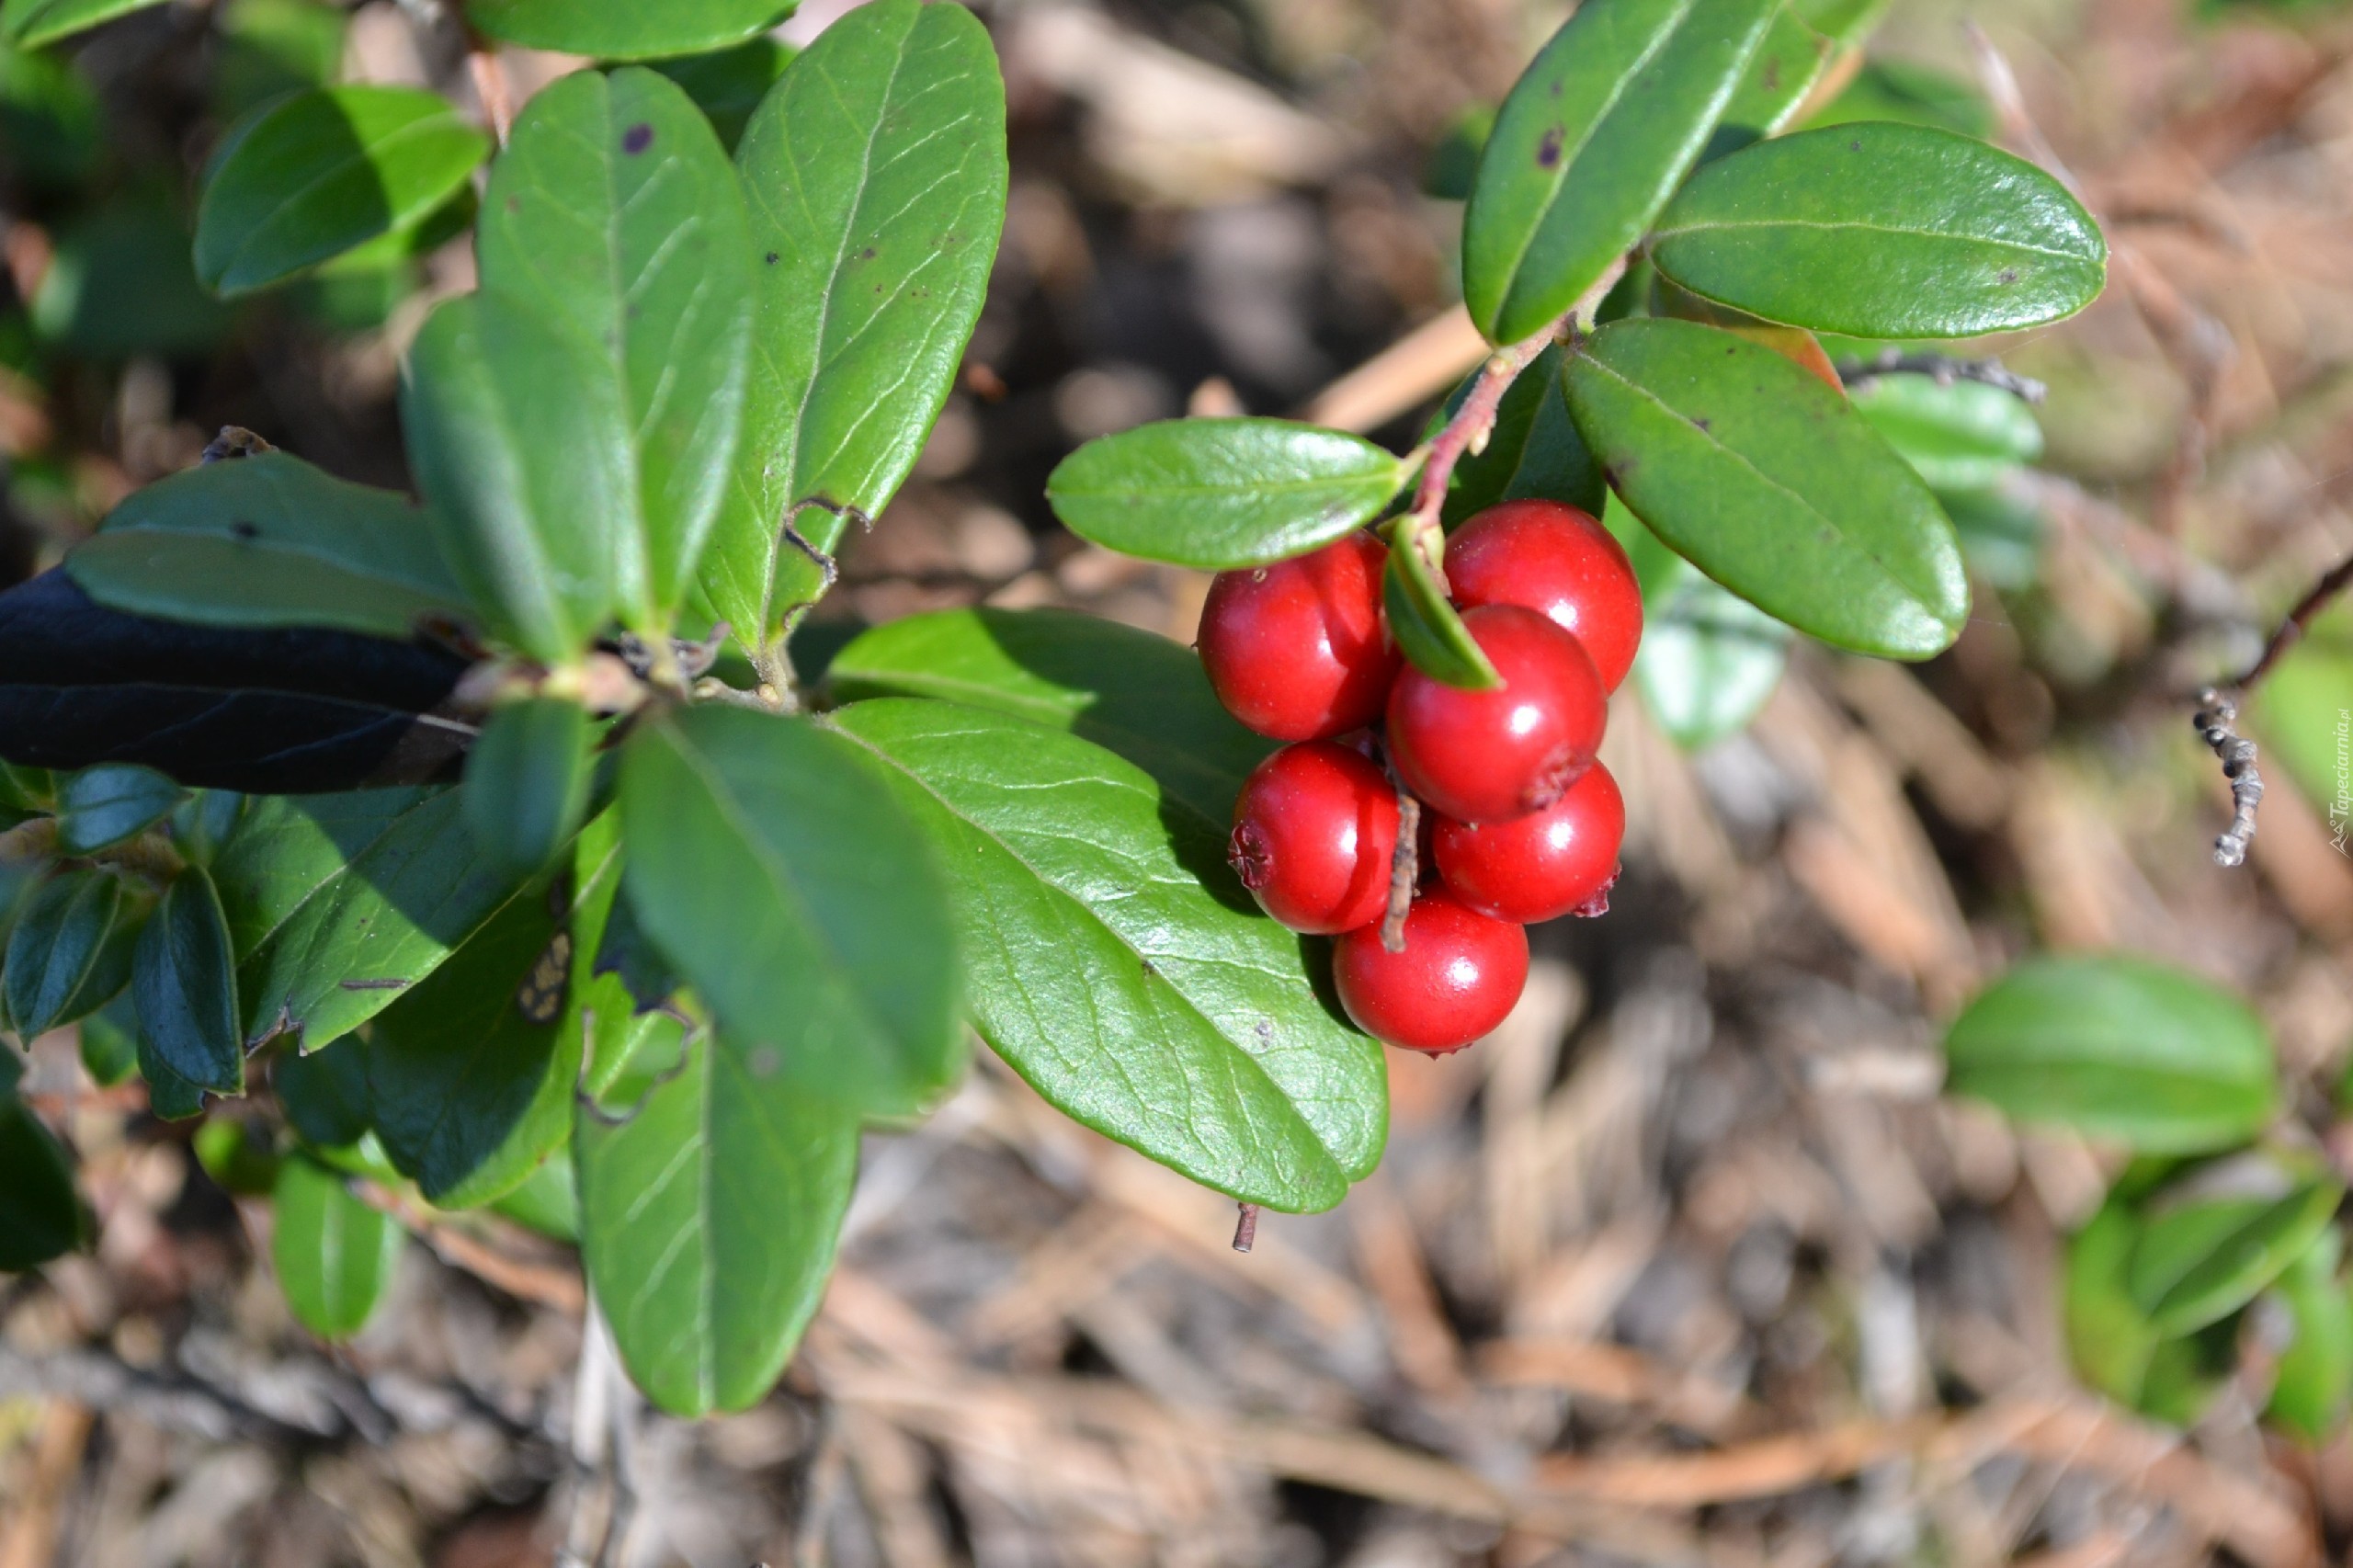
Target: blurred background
point(1690, 1263)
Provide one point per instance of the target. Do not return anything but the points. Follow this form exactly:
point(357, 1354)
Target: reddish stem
point(1245, 1228)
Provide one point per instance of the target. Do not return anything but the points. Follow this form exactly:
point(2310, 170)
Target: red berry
point(1491, 755)
point(1313, 831)
point(1459, 975)
point(1558, 561)
point(1297, 650)
point(1559, 861)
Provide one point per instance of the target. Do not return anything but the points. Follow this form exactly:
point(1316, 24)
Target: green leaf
point(49, 134)
point(336, 904)
point(271, 47)
point(204, 821)
point(109, 1041)
point(2315, 1374)
point(334, 1255)
point(1428, 633)
point(1131, 692)
point(1709, 662)
point(770, 867)
point(1782, 71)
point(1453, 164)
point(546, 1200)
point(238, 1154)
point(1534, 449)
point(2110, 1338)
point(27, 791)
point(628, 30)
point(313, 175)
point(1961, 436)
point(2117, 1048)
point(2300, 712)
point(520, 442)
point(121, 284)
point(708, 1220)
point(1761, 476)
point(1883, 231)
point(525, 788)
point(1592, 141)
point(69, 952)
point(2197, 1264)
point(1117, 966)
point(184, 984)
point(1219, 494)
point(269, 540)
point(325, 1094)
point(31, 24)
point(2186, 1372)
point(876, 175)
point(100, 807)
point(614, 209)
point(1910, 95)
point(2001, 535)
point(41, 1216)
point(727, 84)
point(1846, 22)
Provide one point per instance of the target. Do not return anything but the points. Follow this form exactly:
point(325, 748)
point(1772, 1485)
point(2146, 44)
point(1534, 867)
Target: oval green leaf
point(109, 1042)
point(311, 176)
point(525, 788)
point(100, 807)
point(1960, 435)
point(1757, 473)
point(727, 84)
point(32, 24)
point(1590, 145)
point(1782, 71)
point(1533, 451)
point(2315, 1382)
point(324, 1095)
point(1709, 662)
point(626, 31)
point(2110, 1337)
point(184, 985)
point(41, 1216)
point(1428, 633)
point(1883, 231)
point(334, 1255)
point(2197, 1263)
point(2117, 1048)
point(69, 952)
point(1115, 962)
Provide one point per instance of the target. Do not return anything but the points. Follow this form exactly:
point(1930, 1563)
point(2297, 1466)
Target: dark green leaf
point(2197, 1264)
point(727, 84)
point(34, 23)
point(69, 952)
point(1963, 436)
point(876, 175)
point(271, 47)
point(1590, 145)
point(1453, 164)
point(269, 540)
point(630, 30)
point(1761, 476)
point(41, 1216)
point(708, 1220)
point(1128, 691)
point(205, 820)
point(526, 782)
point(314, 174)
point(325, 1094)
point(1428, 633)
point(2110, 1337)
point(1219, 493)
point(2316, 1373)
point(2186, 1372)
point(1911, 95)
point(629, 955)
point(1534, 449)
point(109, 1039)
point(121, 283)
point(614, 210)
point(769, 865)
point(184, 984)
point(49, 134)
point(2117, 1048)
point(1782, 71)
point(27, 791)
point(99, 807)
point(239, 1155)
point(1115, 962)
point(334, 1255)
point(1883, 231)
point(546, 1200)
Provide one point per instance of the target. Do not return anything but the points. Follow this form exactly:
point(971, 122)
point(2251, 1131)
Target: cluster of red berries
point(1526, 825)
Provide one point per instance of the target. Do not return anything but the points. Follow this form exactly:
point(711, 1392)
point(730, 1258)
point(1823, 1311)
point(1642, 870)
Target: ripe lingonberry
point(1482, 756)
point(1457, 977)
point(1314, 832)
point(1558, 862)
point(1297, 650)
point(1559, 562)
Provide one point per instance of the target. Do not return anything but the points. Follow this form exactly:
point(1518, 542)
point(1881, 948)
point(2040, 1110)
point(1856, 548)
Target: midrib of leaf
point(1841, 226)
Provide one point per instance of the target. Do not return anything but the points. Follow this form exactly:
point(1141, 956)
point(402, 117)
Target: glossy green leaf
point(2117, 1048)
point(269, 540)
point(1589, 146)
point(1428, 633)
point(1785, 67)
point(100, 807)
point(1911, 95)
point(1534, 449)
point(614, 209)
point(41, 1216)
point(546, 1200)
point(270, 47)
point(1115, 962)
point(109, 1042)
point(326, 1094)
point(876, 175)
point(1963, 436)
point(314, 174)
point(2300, 713)
point(1883, 231)
point(2197, 1264)
point(334, 1255)
point(184, 985)
point(336, 904)
point(708, 1220)
point(1128, 691)
point(2110, 1337)
point(1761, 476)
point(69, 952)
point(631, 31)
point(521, 444)
point(525, 788)
point(727, 84)
point(769, 865)
point(2314, 1379)
point(1219, 493)
point(31, 24)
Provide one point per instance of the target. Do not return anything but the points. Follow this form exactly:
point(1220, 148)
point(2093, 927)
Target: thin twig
point(1944, 369)
point(1404, 870)
point(1245, 1228)
point(2216, 712)
point(2333, 582)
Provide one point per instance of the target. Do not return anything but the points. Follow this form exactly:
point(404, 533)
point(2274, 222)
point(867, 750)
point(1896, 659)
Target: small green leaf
point(1428, 633)
point(269, 540)
point(109, 1040)
point(2117, 1048)
point(27, 791)
point(2197, 1264)
point(1960, 435)
point(1534, 449)
point(1453, 164)
point(50, 119)
point(1883, 231)
point(1117, 966)
point(525, 788)
point(2186, 1372)
point(100, 807)
point(184, 983)
point(311, 176)
point(1782, 71)
point(1140, 696)
point(325, 1094)
point(334, 1255)
point(1709, 662)
point(272, 47)
point(205, 822)
point(1761, 476)
point(1592, 141)
point(2001, 534)
point(708, 1220)
point(769, 865)
point(2110, 1337)
point(2315, 1374)
point(727, 84)
point(121, 284)
point(1909, 94)
point(626, 31)
point(237, 1155)
point(1845, 23)
point(41, 1216)
point(69, 952)
point(546, 1200)
point(33, 23)
point(1219, 494)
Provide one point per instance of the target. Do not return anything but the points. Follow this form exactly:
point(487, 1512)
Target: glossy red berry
point(1460, 974)
point(1559, 562)
point(1314, 832)
point(1297, 650)
point(1487, 757)
point(1561, 860)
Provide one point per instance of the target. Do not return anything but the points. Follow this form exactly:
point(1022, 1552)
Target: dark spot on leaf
point(772, 258)
point(637, 138)
point(2009, 275)
point(1547, 151)
point(1701, 423)
point(514, 204)
point(245, 530)
point(762, 1063)
point(1149, 971)
point(1854, 146)
point(1772, 75)
point(866, 255)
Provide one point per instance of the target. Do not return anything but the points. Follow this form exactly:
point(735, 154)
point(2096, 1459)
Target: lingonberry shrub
point(496, 833)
